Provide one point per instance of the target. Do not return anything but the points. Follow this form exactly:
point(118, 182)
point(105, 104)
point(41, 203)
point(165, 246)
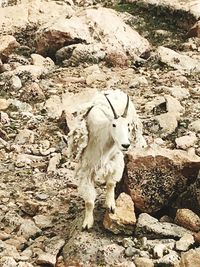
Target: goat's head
point(120, 127)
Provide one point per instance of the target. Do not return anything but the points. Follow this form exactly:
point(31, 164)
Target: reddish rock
point(188, 219)
point(152, 182)
point(194, 31)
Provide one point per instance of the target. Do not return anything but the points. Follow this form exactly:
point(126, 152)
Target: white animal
point(104, 132)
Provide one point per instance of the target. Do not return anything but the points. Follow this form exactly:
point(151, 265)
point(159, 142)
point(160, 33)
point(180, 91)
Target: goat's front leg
point(112, 179)
point(88, 193)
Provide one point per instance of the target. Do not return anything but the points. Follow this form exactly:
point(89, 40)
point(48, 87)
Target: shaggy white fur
point(103, 132)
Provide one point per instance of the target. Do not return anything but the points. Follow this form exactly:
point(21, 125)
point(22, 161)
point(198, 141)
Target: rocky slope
point(54, 55)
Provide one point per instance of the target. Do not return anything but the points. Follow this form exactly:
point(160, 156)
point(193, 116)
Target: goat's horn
point(126, 108)
point(115, 114)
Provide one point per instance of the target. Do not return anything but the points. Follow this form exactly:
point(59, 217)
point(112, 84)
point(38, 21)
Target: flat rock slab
point(150, 227)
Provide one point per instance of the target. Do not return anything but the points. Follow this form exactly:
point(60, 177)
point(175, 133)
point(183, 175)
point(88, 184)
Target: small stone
point(4, 104)
point(123, 220)
point(54, 245)
point(190, 258)
point(143, 262)
point(178, 92)
point(4, 236)
point(47, 259)
point(43, 221)
point(166, 218)
point(138, 81)
point(169, 259)
point(159, 251)
point(130, 251)
point(28, 229)
point(17, 241)
point(195, 126)
point(16, 83)
point(42, 196)
point(8, 250)
point(185, 242)
point(127, 242)
point(24, 136)
point(7, 45)
point(39, 60)
point(167, 122)
point(53, 162)
point(188, 219)
point(197, 237)
point(30, 207)
point(184, 142)
point(194, 31)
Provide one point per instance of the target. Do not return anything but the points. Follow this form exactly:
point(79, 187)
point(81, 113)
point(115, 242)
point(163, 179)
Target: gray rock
point(16, 82)
point(143, 262)
point(178, 61)
point(28, 229)
point(168, 260)
point(152, 228)
point(131, 251)
point(43, 221)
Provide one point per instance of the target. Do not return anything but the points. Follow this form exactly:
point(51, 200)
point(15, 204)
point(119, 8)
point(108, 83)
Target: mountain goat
point(98, 141)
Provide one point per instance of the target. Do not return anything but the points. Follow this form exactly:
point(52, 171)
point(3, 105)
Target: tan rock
point(40, 61)
point(197, 237)
point(190, 258)
point(7, 44)
point(143, 262)
point(185, 242)
point(188, 219)
point(4, 104)
point(123, 220)
point(186, 141)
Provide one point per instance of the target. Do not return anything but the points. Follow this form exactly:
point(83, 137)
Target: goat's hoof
point(87, 224)
point(111, 210)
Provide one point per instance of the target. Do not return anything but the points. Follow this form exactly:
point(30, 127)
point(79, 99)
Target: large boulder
point(30, 14)
point(155, 177)
point(92, 26)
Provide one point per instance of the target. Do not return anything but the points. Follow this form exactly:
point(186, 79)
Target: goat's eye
point(114, 125)
point(128, 124)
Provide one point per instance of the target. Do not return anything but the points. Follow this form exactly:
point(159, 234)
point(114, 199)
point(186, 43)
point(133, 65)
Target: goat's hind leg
point(88, 193)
